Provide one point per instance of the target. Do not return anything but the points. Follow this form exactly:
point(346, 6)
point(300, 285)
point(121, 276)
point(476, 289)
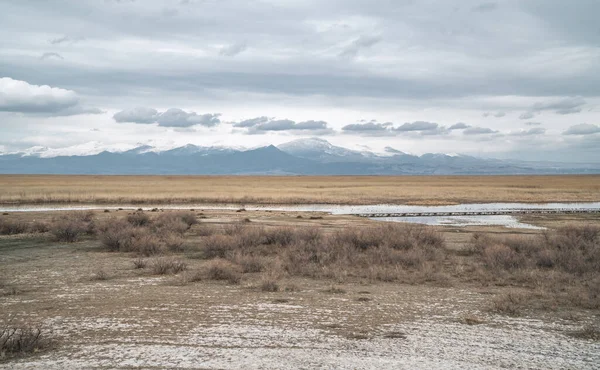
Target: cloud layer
point(172, 117)
point(22, 97)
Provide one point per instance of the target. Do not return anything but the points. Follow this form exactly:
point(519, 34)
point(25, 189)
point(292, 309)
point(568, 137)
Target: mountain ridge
point(313, 156)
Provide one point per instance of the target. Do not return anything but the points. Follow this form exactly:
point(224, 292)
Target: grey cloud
point(289, 125)
point(527, 115)
point(51, 55)
point(265, 124)
point(497, 114)
point(22, 97)
point(175, 117)
point(65, 40)
point(583, 129)
point(276, 125)
point(367, 127)
point(532, 123)
point(233, 50)
point(137, 115)
point(363, 42)
point(252, 122)
point(459, 126)
point(172, 117)
point(485, 7)
point(389, 149)
point(530, 132)
point(479, 131)
point(417, 126)
point(563, 106)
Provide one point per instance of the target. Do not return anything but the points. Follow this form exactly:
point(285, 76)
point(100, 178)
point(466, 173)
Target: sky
point(504, 79)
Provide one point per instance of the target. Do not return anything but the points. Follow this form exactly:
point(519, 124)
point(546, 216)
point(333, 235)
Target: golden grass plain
point(416, 190)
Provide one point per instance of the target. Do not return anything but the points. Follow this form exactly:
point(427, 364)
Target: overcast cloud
point(397, 74)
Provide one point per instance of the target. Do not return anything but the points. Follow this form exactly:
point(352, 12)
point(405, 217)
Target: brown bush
point(250, 263)
point(12, 227)
point(510, 304)
point(575, 250)
point(223, 270)
point(39, 227)
point(21, 340)
point(171, 222)
point(145, 243)
point(173, 242)
point(500, 256)
point(117, 235)
point(68, 229)
point(163, 266)
point(140, 263)
point(218, 246)
point(138, 219)
point(269, 286)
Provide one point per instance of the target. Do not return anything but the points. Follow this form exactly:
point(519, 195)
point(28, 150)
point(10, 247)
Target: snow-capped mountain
point(299, 157)
point(323, 150)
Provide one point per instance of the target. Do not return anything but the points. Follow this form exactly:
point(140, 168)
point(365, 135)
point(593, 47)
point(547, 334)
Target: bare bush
point(250, 263)
point(146, 244)
point(138, 219)
point(100, 275)
point(140, 263)
point(12, 227)
point(116, 235)
point(510, 304)
point(269, 286)
point(70, 228)
point(163, 266)
point(21, 340)
point(224, 270)
point(171, 222)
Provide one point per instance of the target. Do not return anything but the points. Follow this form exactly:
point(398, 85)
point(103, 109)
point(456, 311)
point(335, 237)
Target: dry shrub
point(385, 252)
point(588, 332)
point(218, 246)
point(173, 242)
point(100, 275)
point(171, 222)
point(500, 256)
point(269, 285)
point(206, 230)
point(116, 235)
point(163, 266)
point(12, 227)
point(138, 219)
point(575, 250)
point(510, 304)
point(223, 270)
point(70, 227)
point(140, 263)
point(282, 236)
point(21, 340)
point(250, 263)
point(39, 227)
point(146, 244)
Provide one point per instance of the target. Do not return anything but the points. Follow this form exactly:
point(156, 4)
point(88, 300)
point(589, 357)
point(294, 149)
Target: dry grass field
point(425, 190)
point(258, 289)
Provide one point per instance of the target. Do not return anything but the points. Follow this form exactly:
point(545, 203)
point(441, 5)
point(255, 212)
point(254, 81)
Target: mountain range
point(312, 156)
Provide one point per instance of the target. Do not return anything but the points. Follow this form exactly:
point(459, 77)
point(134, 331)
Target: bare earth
point(136, 320)
point(422, 190)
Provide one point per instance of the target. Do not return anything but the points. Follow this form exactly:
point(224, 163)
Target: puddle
point(446, 217)
point(502, 220)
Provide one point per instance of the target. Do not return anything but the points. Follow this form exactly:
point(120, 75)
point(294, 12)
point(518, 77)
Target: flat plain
point(229, 289)
point(416, 190)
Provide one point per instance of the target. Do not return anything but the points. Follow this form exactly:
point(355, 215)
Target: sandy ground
point(136, 320)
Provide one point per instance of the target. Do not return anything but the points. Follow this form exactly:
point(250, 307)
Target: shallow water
point(495, 220)
point(483, 220)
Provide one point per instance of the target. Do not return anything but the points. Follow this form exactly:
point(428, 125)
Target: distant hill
point(300, 157)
